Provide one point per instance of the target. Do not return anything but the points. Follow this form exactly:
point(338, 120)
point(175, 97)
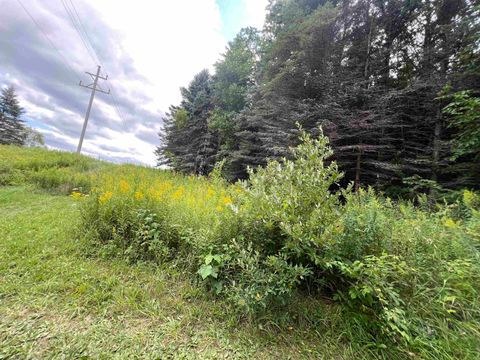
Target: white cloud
point(169, 41)
point(256, 11)
point(149, 49)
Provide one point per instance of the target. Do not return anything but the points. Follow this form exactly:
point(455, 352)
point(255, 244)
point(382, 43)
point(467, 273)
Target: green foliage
point(33, 138)
point(181, 118)
point(381, 259)
point(374, 292)
point(464, 111)
point(12, 128)
point(153, 238)
point(234, 74)
point(343, 65)
point(222, 122)
point(188, 144)
point(405, 278)
point(292, 202)
point(113, 308)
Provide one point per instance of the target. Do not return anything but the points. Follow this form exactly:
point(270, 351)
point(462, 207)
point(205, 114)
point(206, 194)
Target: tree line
point(394, 84)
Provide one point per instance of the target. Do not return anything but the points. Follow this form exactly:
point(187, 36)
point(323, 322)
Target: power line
point(64, 59)
point(116, 105)
point(120, 114)
point(77, 29)
point(89, 40)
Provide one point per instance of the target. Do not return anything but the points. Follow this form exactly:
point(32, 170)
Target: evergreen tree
point(188, 145)
point(12, 130)
point(370, 72)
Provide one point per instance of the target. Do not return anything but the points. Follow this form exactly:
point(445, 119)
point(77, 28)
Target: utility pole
point(94, 87)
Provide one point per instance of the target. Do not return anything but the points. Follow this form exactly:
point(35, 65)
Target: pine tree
point(12, 130)
point(188, 145)
point(371, 73)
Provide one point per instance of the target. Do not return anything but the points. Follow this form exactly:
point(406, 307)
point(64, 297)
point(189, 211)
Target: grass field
point(55, 302)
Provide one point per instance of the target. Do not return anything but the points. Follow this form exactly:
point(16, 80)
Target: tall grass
point(55, 171)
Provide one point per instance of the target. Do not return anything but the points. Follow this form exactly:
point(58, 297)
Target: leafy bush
point(294, 229)
point(283, 218)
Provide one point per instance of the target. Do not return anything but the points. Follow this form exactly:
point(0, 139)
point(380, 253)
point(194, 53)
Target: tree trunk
point(369, 43)
point(357, 170)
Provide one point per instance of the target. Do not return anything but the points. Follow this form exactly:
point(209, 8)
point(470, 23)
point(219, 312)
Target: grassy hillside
point(107, 260)
point(55, 171)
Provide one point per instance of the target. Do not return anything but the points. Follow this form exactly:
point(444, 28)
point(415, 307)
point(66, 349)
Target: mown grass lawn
point(56, 302)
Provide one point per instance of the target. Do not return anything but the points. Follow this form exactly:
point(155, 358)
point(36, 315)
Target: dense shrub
point(384, 260)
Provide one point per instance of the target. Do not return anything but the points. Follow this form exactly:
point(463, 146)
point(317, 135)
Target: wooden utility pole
point(94, 87)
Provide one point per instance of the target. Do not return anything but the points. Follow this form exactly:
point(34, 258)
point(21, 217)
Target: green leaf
point(208, 259)
point(207, 270)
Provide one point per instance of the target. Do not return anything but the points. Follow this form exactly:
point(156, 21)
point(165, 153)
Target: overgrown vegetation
point(404, 276)
point(290, 230)
point(55, 302)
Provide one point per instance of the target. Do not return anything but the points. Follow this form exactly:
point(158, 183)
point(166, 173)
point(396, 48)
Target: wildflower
point(210, 193)
point(124, 186)
point(226, 200)
point(219, 208)
point(450, 223)
point(138, 195)
point(178, 194)
point(162, 188)
point(469, 198)
point(76, 195)
point(105, 197)
point(191, 201)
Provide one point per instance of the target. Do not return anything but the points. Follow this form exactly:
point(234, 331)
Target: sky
point(149, 49)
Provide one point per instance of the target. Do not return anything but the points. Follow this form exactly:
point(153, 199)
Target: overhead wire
point(118, 111)
point(86, 39)
point(77, 30)
point(52, 44)
point(89, 41)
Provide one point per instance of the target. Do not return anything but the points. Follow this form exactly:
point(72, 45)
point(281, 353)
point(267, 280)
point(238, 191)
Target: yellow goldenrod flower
point(138, 195)
point(76, 195)
point(124, 186)
point(105, 197)
point(469, 198)
point(219, 208)
point(450, 223)
point(179, 193)
point(210, 193)
point(226, 200)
